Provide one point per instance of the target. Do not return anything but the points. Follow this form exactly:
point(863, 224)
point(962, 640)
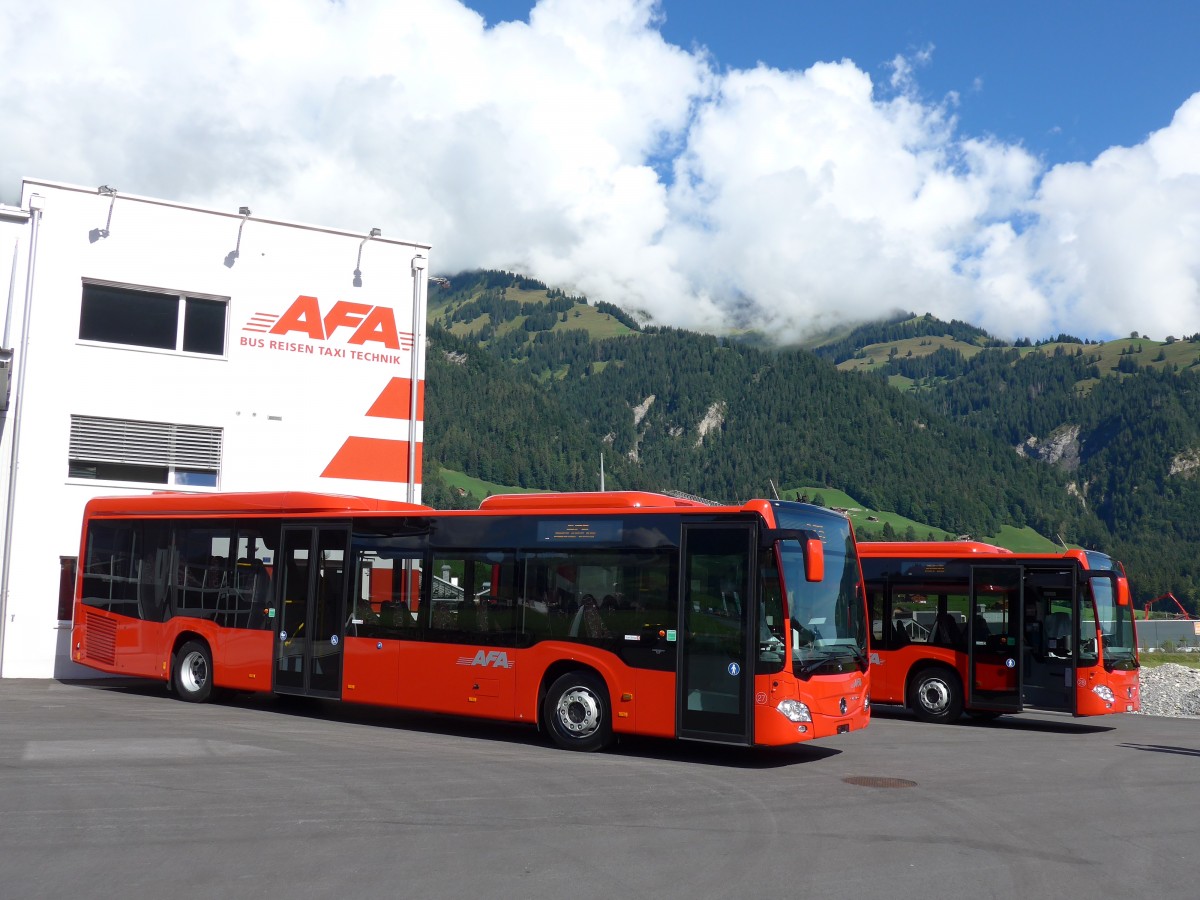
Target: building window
point(140, 318)
point(144, 452)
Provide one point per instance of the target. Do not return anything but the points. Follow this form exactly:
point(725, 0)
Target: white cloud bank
point(583, 149)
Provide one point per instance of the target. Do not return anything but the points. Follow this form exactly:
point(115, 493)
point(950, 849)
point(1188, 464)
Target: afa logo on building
point(312, 329)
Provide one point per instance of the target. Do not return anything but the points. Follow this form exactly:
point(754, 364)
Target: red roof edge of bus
point(929, 548)
point(582, 500)
point(254, 502)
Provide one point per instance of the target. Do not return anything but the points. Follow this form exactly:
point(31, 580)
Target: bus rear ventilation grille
point(101, 640)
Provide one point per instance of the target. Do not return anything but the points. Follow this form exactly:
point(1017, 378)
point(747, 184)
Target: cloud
point(585, 150)
point(1114, 245)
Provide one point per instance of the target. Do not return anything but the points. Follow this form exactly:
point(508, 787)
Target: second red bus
point(961, 626)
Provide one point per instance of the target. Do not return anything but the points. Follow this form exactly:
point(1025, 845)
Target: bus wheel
point(935, 695)
point(193, 672)
point(577, 712)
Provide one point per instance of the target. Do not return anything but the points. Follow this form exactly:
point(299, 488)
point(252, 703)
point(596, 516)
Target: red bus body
point(590, 615)
point(965, 626)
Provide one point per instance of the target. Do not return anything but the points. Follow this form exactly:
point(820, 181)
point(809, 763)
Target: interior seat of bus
point(945, 631)
point(1057, 634)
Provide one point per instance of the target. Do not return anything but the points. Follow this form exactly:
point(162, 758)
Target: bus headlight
point(794, 710)
point(1104, 692)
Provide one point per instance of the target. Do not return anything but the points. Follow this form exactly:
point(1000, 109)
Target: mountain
point(939, 423)
point(1120, 419)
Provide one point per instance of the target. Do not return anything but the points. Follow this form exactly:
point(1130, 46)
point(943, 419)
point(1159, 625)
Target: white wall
point(285, 413)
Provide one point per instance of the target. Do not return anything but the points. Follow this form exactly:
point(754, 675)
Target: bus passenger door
point(994, 663)
point(308, 634)
point(1051, 612)
point(716, 660)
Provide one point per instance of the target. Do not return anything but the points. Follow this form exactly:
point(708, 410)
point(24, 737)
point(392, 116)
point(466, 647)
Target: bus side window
point(472, 597)
point(876, 596)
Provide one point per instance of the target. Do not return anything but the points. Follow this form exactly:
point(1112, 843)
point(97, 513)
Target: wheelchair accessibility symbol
point(734, 668)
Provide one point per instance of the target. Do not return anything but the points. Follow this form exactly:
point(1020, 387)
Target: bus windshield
point(828, 623)
point(1116, 622)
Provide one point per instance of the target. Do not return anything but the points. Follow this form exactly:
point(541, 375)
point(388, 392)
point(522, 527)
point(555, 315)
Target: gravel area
point(1170, 690)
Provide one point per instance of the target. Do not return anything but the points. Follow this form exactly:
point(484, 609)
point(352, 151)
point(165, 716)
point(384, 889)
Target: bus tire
point(935, 695)
point(577, 712)
point(193, 671)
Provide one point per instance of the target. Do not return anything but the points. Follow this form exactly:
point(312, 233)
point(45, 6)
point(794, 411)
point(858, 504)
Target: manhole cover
point(879, 781)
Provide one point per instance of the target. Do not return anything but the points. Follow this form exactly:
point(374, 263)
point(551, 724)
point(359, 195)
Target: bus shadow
point(723, 756)
point(516, 734)
point(1004, 723)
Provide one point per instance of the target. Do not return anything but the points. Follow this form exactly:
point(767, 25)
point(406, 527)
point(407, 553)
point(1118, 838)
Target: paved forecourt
point(124, 791)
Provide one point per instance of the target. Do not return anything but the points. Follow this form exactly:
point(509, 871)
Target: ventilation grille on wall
point(145, 443)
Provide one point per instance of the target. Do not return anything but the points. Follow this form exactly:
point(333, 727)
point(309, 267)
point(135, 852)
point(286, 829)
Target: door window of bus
point(772, 624)
point(1056, 625)
point(1088, 653)
point(992, 618)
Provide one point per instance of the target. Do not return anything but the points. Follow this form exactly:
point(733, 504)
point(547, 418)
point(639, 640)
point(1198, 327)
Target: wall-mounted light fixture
point(96, 233)
point(232, 255)
point(375, 232)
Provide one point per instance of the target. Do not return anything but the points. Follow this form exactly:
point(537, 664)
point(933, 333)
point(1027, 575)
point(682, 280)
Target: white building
point(150, 345)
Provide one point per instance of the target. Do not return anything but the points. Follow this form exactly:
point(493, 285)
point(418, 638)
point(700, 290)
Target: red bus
point(590, 615)
point(964, 626)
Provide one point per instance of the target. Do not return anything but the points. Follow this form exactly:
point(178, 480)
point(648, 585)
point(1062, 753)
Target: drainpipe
point(419, 263)
point(36, 204)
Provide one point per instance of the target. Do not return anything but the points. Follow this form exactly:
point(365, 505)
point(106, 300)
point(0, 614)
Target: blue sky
point(1030, 167)
point(1065, 79)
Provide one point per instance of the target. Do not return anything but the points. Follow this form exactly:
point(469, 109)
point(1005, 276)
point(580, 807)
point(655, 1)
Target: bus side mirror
point(809, 541)
point(814, 559)
point(1123, 592)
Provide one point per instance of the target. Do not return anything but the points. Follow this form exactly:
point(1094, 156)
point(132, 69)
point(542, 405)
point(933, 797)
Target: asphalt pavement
point(123, 791)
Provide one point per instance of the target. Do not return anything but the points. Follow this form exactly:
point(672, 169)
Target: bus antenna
point(774, 492)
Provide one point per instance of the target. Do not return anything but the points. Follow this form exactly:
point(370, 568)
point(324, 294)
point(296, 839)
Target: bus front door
point(1051, 614)
point(994, 663)
point(308, 634)
point(716, 663)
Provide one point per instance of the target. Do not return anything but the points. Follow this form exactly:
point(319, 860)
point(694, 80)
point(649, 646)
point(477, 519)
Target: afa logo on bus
point(365, 323)
point(495, 659)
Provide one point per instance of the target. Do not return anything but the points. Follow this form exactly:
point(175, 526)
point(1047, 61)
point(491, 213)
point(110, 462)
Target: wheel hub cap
point(579, 712)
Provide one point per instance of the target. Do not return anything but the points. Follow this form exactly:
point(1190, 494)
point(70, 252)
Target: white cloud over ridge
point(585, 150)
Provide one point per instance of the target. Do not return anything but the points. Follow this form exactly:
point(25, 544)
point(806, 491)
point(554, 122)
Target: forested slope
point(1099, 446)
